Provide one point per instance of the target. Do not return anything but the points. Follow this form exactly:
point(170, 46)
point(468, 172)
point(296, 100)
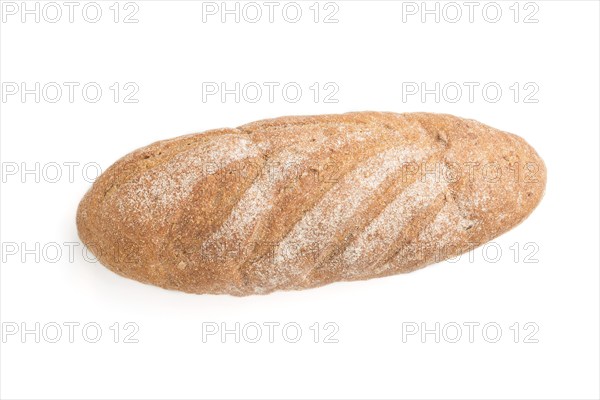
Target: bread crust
point(299, 202)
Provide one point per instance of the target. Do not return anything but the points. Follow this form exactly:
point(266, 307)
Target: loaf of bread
point(300, 202)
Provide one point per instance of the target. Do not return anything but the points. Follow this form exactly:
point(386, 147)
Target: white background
point(368, 54)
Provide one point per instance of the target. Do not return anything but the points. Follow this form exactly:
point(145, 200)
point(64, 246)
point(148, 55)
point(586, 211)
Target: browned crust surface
point(299, 202)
